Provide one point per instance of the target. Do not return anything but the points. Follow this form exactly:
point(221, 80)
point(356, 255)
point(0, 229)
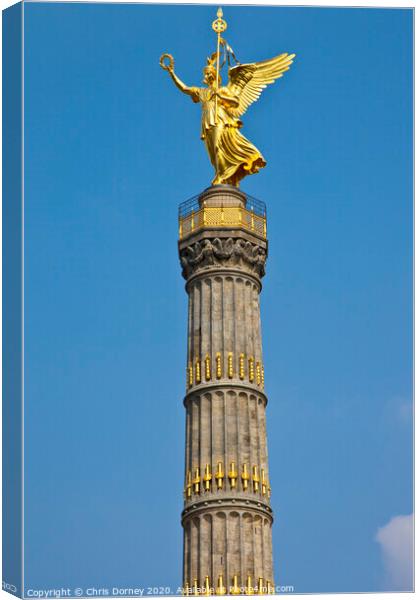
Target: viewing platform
point(222, 206)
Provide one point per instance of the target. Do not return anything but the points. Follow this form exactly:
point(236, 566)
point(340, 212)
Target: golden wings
point(247, 81)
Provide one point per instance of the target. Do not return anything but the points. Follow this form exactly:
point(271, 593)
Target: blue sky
point(111, 148)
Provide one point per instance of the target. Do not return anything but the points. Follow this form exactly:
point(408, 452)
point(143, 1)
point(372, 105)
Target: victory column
point(227, 516)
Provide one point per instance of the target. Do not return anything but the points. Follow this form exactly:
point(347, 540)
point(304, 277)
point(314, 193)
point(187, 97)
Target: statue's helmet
point(210, 69)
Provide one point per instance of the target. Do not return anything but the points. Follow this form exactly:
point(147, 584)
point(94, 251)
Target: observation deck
point(213, 208)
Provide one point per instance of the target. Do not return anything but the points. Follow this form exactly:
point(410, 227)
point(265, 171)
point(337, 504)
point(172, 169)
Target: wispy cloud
point(396, 540)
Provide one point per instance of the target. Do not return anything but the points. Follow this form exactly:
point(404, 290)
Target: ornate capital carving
point(231, 252)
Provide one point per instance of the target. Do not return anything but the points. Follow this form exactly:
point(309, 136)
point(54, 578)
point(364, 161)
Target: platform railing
point(194, 215)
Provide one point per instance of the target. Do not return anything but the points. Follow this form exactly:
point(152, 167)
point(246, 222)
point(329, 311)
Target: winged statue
point(232, 155)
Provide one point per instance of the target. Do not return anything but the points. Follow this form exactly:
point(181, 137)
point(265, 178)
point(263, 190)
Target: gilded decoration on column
point(218, 365)
point(207, 478)
point(255, 376)
point(245, 476)
point(204, 483)
point(196, 481)
point(233, 475)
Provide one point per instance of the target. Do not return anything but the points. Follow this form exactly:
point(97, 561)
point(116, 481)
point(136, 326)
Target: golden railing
point(232, 216)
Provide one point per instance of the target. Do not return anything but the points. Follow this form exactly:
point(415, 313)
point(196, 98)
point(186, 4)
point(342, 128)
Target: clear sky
point(111, 149)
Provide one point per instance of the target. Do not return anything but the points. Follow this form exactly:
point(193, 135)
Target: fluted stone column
point(227, 516)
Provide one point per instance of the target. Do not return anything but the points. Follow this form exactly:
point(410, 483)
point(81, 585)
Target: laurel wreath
point(167, 66)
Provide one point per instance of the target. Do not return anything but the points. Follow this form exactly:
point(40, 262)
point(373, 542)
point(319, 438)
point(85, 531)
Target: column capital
point(218, 250)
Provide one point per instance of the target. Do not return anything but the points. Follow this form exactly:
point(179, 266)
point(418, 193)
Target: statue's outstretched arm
point(190, 91)
point(177, 81)
point(185, 89)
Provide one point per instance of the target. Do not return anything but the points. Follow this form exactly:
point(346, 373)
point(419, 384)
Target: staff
point(219, 26)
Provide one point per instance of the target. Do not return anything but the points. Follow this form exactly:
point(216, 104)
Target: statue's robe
point(231, 154)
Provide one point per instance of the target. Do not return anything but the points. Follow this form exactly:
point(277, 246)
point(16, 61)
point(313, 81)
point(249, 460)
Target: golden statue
point(231, 154)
